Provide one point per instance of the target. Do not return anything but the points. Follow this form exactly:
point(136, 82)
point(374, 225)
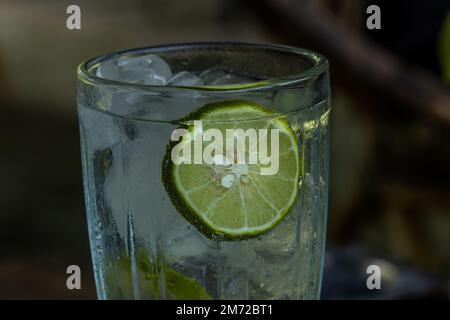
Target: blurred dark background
point(390, 160)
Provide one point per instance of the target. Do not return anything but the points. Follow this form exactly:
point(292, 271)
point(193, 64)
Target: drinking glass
point(143, 245)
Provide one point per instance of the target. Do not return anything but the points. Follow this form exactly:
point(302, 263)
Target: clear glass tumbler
point(147, 243)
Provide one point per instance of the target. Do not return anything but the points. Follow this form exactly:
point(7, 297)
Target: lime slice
point(232, 200)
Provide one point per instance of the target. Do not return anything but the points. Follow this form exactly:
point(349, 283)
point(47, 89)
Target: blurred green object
point(444, 48)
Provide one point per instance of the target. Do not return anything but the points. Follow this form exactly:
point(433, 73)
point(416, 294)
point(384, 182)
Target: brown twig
point(359, 61)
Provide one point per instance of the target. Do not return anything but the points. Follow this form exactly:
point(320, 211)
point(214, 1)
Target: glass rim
point(320, 65)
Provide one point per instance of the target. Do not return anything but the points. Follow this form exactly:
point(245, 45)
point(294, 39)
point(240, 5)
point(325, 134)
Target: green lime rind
point(208, 109)
point(237, 86)
point(182, 204)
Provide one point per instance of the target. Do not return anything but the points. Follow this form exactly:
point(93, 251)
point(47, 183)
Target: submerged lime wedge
point(181, 287)
point(231, 199)
point(176, 285)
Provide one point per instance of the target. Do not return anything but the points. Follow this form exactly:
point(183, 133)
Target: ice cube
point(280, 243)
point(217, 76)
point(108, 70)
point(293, 99)
point(185, 78)
point(131, 105)
point(147, 69)
point(100, 128)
